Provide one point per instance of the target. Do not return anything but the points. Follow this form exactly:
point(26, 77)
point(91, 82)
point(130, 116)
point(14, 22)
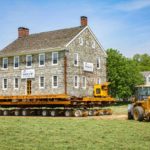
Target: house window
point(55, 58)
point(41, 59)
point(98, 81)
point(42, 82)
point(84, 82)
point(16, 62)
point(5, 84)
point(76, 59)
point(16, 83)
point(5, 63)
point(98, 63)
point(76, 81)
point(29, 60)
point(81, 41)
point(55, 81)
point(93, 44)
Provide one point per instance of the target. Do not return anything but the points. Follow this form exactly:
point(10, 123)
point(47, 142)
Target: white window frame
point(53, 81)
point(15, 83)
point(27, 61)
point(84, 81)
point(78, 80)
point(53, 53)
point(98, 61)
point(74, 57)
point(4, 61)
point(14, 62)
point(81, 41)
point(99, 81)
point(4, 85)
point(42, 54)
point(41, 87)
point(93, 44)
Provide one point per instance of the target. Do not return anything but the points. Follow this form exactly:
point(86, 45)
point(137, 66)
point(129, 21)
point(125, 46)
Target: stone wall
point(86, 54)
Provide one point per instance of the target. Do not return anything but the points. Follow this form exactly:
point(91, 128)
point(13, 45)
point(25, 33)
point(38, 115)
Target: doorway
point(29, 87)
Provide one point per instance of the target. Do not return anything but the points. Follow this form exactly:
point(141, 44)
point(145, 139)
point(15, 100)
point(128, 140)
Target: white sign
point(88, 67)
point(29, 73)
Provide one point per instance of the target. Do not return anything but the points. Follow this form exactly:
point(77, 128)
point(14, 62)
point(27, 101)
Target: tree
point(143, 61)
point(123, 73)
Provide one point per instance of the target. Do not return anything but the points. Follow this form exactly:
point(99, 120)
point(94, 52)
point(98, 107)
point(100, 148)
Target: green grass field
point(37, 133)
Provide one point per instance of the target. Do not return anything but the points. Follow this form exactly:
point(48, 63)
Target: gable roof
point(145, 73)
point(44, 40)
point(87, 27)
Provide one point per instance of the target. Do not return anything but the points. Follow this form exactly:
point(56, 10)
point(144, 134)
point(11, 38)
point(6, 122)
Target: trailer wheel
point(16, 112)
point(68, 113)
point(90, 112)
point(53, 113)
point(44, 113)
point(138, 113)
point(5, 113)
point(25, 113)
point(77, 113)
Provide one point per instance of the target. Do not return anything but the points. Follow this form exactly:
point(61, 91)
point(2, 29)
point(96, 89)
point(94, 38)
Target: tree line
point(125, 73)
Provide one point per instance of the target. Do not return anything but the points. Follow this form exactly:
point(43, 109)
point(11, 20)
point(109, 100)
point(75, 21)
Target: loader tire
point(138, 113)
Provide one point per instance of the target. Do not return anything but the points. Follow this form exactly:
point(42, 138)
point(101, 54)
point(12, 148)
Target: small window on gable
point(98, 63)
point(76, 59)
point(41, 59)
point(54, 58)
point(29, 61)
point(93, 44)
point(16, 62)
point(5, 63)
point(81, 41)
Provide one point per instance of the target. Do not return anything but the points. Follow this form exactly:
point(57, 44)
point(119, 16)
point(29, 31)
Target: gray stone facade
point(86, 53)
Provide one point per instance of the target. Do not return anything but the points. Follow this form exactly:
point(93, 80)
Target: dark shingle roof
point(51, 39)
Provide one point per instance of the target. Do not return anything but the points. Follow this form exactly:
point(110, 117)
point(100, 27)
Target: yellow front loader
point(140, 108)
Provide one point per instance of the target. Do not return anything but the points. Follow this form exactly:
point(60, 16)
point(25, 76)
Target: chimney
point(84, 21)
point(22, 32)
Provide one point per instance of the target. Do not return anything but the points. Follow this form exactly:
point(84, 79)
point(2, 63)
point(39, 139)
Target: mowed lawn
point(47, 133)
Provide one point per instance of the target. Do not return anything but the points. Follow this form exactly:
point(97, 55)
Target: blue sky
point(118, 24)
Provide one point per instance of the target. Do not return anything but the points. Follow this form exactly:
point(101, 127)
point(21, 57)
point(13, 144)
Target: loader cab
point(142, 92)
point(101, 90)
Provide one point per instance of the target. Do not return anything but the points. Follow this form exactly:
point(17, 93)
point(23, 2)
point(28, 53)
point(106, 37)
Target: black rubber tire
point(130, 116)
point(5, 113)
point(138, 113)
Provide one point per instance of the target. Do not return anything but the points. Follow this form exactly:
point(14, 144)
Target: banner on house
point(88, 66)
point(28, 73)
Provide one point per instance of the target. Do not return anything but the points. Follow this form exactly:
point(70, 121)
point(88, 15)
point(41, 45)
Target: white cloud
point(133, 5)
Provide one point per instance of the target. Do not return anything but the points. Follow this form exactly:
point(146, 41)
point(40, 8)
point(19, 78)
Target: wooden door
point(29, 87)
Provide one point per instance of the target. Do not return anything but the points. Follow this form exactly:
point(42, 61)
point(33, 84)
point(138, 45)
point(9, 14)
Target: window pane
point(5, 63)
point(41, 81)
point(55, 58)
point(16, 62)
point(98, 62)
point(16, 83)
point(42, 59)
point(55, 84)
point(76, 59)
point(5, 84)
point(29, 61)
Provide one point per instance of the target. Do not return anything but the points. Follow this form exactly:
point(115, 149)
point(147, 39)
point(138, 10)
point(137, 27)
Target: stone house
point(67, 61)
point(146, 75)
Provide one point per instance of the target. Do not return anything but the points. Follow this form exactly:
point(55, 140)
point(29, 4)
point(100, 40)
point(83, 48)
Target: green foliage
point(143, 61)
point(123, 73)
